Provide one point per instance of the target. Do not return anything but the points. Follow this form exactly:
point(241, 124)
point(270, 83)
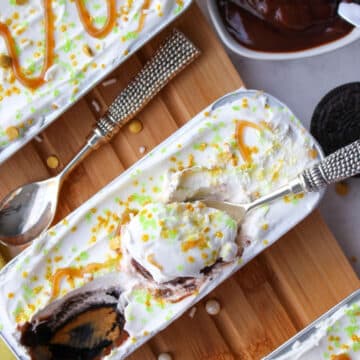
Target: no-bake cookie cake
point(138, 254)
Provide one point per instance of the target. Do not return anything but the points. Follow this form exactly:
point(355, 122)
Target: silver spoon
point(350, 12)
point(309, 180)
point(340, 165)
point(29, 210)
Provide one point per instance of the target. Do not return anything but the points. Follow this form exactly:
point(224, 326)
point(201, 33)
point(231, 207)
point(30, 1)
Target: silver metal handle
point(342, 164)
point(173, 56)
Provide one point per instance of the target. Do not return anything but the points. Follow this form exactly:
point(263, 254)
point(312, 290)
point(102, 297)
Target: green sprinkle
point(84, 255)
point(180, 268)
point(131, 35)
point(141, 199)
point(351, 330)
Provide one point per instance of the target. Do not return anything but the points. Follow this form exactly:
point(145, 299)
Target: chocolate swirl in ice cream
point(86, 326)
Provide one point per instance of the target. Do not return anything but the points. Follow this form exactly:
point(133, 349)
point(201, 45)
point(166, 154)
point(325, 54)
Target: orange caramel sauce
point(245, 151)
point(143, 16)
point(72, 273)
point(341, 357)
point(86, 19)
point(34, 83)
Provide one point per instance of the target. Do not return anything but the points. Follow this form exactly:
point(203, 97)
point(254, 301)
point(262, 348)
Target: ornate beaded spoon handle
point(173, 56)
point(340, 165)
point(37, 202)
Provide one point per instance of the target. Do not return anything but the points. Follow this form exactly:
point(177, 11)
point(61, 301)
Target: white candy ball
point(212, 307)
point(165, 356)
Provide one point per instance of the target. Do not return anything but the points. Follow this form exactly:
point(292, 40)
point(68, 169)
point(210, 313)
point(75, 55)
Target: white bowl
point(239, 49)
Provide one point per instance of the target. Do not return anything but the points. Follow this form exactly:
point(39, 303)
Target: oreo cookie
point(336, 119)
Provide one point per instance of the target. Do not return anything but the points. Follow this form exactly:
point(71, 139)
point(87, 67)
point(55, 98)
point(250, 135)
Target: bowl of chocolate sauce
point(281, 29)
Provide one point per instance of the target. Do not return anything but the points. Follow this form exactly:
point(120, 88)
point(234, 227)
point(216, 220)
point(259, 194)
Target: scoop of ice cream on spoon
point(179, 239)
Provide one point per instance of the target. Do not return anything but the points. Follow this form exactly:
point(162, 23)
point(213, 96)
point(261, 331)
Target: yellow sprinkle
point(266, 242)
point(145, 237)
point(52, 162)
point(264, 227)
point(87, 50)
point(191, 259)
point(58, 258)
point(135, 126)
point(313, 154)
point(219, 234)
point(12, 133)
point(342, 188)
point(11, 295)
point(21, 2)
point(206, 113)
point(73, 229)
point(25, 274)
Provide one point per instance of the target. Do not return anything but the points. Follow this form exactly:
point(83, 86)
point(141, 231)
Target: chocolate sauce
point(283, 25)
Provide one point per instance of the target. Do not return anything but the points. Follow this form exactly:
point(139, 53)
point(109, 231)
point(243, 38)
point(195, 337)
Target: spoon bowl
point(26, 211)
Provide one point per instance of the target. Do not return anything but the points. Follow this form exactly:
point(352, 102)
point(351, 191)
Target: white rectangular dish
point(81, 59)
point(239, 150)
point(334, 335)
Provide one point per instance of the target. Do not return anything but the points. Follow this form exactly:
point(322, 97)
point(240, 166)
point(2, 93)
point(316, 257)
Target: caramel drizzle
point(72, 273)
point(36, 82)
point(245, 151)
point(86, 19)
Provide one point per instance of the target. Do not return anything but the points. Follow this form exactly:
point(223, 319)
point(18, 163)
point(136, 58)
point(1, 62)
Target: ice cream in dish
point(122, 237)
point(179, 240)
point(51, 51)
point(333, 337)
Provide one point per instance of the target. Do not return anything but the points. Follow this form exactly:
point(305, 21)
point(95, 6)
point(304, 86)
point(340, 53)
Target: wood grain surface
point(270, 299)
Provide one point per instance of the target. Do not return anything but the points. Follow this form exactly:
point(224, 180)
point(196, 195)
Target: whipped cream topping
point(239, 151)
point(179, 239)
point(336, 337)
point(79, 61)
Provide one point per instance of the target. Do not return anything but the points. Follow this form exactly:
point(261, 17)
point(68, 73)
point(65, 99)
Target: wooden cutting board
point(270, 299)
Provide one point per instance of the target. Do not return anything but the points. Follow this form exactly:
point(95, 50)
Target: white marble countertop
point(301, 84)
